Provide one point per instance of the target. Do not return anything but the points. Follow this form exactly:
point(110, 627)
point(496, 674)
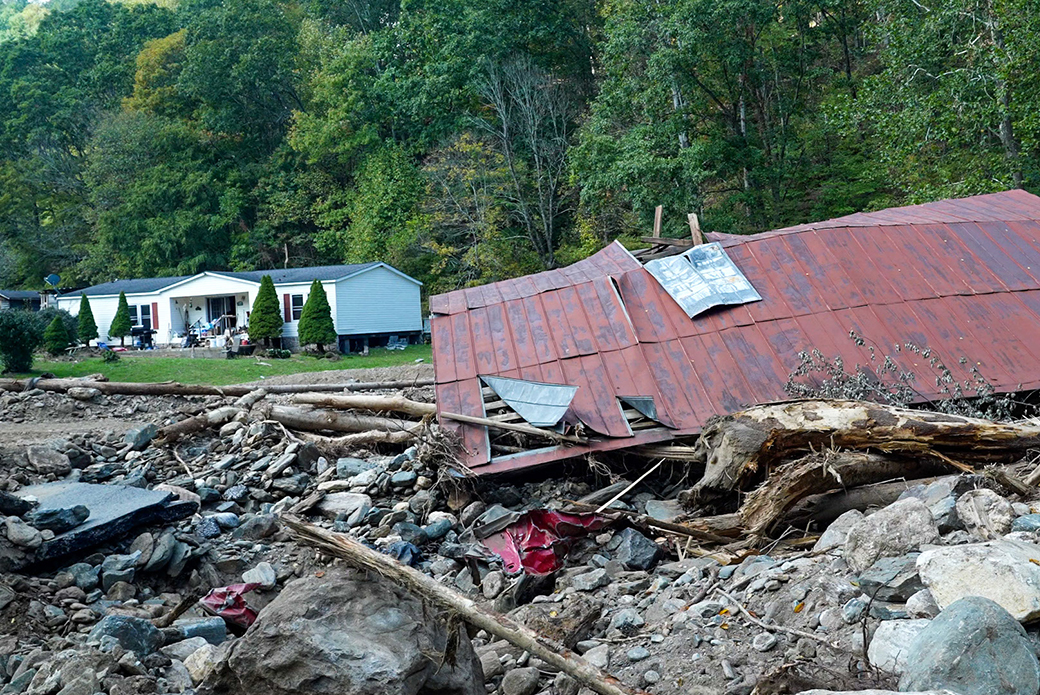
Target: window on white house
point(297, 306)
point(141, 316)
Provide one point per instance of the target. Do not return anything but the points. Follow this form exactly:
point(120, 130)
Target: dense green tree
point(121, 325)
point(159, 66)
point(265, 319)
point(163, 201)
point(54, 86)
point(45, 317)
point(316, 326)
point(55, 339)
point(20, 335)
point(464, 232)
point(239, 59)
point(86, 327)
point(952, 110)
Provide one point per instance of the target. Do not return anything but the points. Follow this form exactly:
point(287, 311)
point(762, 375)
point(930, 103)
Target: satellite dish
point(53, 279)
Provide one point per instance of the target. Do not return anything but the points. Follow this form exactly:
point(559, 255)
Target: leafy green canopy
point(20, 335)
point(86, 327)
point(316, 326)
point(55, 339)
point(466, 141)
point(265, 319)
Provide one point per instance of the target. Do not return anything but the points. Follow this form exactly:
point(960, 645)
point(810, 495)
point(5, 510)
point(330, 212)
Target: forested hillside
point(469, 140)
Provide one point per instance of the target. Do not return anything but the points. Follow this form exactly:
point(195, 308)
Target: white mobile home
point(371, 302)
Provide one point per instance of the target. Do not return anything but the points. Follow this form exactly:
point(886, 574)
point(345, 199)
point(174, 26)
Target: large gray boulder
point(1005, 571)
point(891, 578)
point(899, 528)
point(134, 634)
point(891, 643)
point(941, 496)
point(974, 647)
point(345, 504)
point(47, 461)
point(347, 633)
point(984, 513)
point(838, 532)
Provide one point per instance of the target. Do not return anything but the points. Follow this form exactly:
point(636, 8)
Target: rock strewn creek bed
point(935, 591)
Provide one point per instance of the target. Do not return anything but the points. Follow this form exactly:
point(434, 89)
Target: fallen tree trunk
point(396, 404)
point(172, 388)
point(213, 418)
point(357, 555)
point(741, 448)
point(819, 473)
point(335, 446)
point(827, 507)
point(327, 420)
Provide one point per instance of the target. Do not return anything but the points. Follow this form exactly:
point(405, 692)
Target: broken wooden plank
point(665, 241)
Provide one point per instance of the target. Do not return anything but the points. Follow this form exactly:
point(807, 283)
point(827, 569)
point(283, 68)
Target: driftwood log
point(819, 473)
point(338, 446)
point(825, 508)
point(357, 555)
point(332, 421)
point(212, 418)
point(385, 404)
point(741, 449)
point(172, 388)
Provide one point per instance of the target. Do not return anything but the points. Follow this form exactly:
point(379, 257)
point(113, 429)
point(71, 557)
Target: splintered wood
point(786, 452)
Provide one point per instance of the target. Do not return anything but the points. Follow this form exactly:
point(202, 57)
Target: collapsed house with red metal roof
point(611, 353)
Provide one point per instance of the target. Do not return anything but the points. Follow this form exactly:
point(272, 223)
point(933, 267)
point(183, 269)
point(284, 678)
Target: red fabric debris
point(228, 603)
point(537, 542)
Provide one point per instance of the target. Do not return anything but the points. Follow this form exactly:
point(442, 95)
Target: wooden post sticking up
point(695, 228)
point(658, 214)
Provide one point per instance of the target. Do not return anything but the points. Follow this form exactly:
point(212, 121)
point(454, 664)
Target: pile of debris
point(225, 549)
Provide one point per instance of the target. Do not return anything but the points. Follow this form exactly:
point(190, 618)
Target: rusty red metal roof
point(961, 277)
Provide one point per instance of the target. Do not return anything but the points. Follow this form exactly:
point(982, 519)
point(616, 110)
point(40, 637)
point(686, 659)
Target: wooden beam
point(397, 404)
point(666, 241)
point(523, 429)
point(658, 216)
point(695, 229)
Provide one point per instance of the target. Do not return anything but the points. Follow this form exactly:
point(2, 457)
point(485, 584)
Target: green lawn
point(220, 372)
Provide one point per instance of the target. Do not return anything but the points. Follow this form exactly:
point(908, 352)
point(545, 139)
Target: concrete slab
point(115, 510)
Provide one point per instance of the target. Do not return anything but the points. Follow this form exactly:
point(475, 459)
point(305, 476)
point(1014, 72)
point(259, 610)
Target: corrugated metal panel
point(542, 405)
point(961, 277)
